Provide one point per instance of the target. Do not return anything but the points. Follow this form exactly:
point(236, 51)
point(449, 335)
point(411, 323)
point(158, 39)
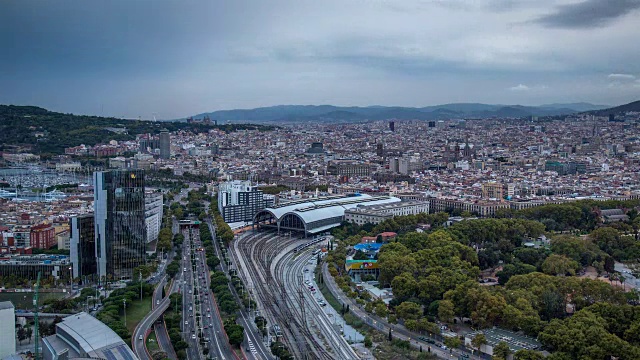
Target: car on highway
point(186, 322)
point(427, 340)
point(140, 337)
point(157, 302)
point(193, 336)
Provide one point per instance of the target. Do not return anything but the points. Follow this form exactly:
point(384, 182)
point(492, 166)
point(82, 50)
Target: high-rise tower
point(120, 228)
point(165, 145)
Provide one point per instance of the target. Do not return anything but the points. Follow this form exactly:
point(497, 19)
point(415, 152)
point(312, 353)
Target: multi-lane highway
point(142, 330)
point(188, 299)
point(200, 313)
point(164, 342)
point(254, 343)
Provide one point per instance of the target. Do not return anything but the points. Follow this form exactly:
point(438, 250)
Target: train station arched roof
point(315, 215)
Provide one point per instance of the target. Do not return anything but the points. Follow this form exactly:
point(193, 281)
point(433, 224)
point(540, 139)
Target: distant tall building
point(403, 166)
point(392, 125)
point(394, 165)
point(239, 201)
point(120, 228)
point(148, 145)
point(7, 329)
point(165, 145)
point(83, 246)
point(380, 149)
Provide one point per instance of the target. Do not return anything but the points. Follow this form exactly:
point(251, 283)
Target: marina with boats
point(21, 184)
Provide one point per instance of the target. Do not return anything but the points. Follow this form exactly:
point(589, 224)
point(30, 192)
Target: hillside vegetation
point(51, 132)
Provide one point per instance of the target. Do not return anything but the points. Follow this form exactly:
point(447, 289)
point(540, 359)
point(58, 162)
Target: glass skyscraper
point(120, 227)
point(83, 247)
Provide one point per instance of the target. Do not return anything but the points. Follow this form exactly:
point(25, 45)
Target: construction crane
point(36, 322)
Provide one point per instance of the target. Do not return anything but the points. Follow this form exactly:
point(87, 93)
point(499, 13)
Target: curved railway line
point(291, 268)
point(270, 268)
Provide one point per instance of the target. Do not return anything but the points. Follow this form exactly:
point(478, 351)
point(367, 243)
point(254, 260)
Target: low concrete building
point(376, 214)
point(28, 266)
point(83, 336)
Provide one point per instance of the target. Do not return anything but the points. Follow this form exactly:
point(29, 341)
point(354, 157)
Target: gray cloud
point(621, 77)
point(134, 59)
point(588, 14)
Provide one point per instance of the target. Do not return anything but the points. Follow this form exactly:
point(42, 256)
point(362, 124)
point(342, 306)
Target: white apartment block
point(376, 214)
point(153, 210)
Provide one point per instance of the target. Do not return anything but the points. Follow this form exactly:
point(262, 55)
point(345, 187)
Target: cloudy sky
point(175, 58)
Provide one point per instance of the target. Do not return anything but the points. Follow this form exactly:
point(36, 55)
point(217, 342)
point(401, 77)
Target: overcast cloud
point(176, 58)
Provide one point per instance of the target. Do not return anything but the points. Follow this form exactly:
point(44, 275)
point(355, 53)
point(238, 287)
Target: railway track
point(264, 248)
point(315, 321)
point(266, 251)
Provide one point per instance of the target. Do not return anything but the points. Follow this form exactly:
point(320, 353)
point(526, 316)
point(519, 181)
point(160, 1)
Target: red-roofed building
point(387, 235)
point(368, 239)
point(43, 236)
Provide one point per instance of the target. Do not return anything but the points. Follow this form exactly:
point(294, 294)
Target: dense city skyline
point(133, 60)
point(335, 179)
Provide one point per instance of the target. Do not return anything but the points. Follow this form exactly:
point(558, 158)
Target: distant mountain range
point(632, 106)
point(330, 113)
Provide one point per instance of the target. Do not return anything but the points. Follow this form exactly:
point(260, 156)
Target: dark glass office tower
point(120, 227)
point(83, 247)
